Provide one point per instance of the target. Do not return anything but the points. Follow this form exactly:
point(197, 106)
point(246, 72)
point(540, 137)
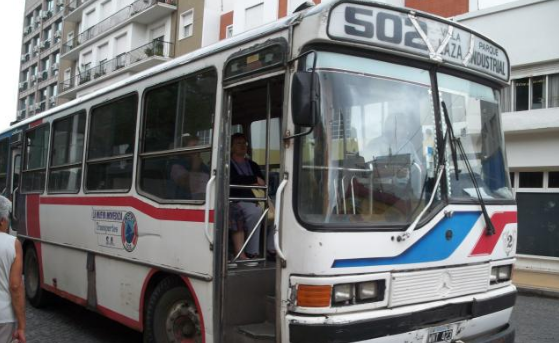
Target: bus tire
point(171, 314)
point(36, 295)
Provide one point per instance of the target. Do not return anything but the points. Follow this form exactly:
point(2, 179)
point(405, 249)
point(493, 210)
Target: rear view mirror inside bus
point(305, 96)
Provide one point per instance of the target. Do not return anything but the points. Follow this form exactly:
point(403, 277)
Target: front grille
point(430, 285)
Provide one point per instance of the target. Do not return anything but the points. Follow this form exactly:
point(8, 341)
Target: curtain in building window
point(554, 90)
point(506, 99)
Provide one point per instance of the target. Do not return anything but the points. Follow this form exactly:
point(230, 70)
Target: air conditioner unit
point(54, 66)
point(36, 48)
point(21, 85)
point(52, 101)
point(57, 34)
point(33, 77)
point(24, 57)
point(44, 14)
point(60, 2)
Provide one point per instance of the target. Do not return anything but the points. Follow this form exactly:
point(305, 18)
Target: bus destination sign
point(411, 33)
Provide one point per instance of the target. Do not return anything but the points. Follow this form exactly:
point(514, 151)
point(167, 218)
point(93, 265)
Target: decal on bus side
point(110, 225)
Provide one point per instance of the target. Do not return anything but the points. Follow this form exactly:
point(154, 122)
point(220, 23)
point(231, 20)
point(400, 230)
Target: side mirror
point(305, 98)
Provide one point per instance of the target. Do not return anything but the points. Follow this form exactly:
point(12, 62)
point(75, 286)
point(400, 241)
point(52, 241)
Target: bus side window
point(111, 145)
point(35, 159)
point(4, 155)
point(177, 136)
point(65, 172)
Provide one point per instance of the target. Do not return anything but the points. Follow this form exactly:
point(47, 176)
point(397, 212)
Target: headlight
point(501, 273)
point(343, 294)
point(367, 290)
point(504, 273)
point(358, 293)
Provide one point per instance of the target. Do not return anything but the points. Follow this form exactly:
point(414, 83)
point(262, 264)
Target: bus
point(387, 213)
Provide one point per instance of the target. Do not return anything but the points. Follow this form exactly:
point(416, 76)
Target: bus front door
point(249, 287)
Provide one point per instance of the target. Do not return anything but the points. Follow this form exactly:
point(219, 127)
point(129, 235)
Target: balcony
point(144, 57)
point(73, 10)
point(141, 11)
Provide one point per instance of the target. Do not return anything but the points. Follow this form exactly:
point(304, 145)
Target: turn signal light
point(314, 295)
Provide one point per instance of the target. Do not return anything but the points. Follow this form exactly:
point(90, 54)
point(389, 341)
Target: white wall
point(212, 20)
point(527, 29)
point(536, 151)
point(270, 13)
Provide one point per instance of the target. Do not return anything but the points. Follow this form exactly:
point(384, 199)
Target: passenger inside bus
point(188, 174)
point(244, 215)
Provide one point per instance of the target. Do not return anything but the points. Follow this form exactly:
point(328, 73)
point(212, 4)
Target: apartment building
point(108, 40)
point(40, 56)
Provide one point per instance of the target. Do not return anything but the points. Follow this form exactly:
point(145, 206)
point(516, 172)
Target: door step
point(258, 332)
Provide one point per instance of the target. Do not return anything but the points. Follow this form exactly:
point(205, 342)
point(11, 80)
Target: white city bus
point(379, 135)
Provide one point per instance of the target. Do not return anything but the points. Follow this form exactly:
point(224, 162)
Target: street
point(535, 319)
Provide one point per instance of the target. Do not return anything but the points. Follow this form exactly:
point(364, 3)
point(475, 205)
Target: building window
point(538, 92)
point(531, 93)
point(254, 16)
point(554, 90)
point(531, 180)
point(229, 31)
point(553, 180)
point(187, 24)
point(521, 87)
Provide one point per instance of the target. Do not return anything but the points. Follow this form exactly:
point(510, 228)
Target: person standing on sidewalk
point(12, 295)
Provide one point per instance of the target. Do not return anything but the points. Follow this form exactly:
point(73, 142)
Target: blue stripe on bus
point(432, 247)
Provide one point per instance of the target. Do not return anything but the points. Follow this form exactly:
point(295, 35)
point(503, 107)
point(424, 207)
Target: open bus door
point(13, 187)
point(249, 305)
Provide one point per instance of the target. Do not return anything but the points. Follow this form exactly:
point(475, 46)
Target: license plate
point(440, 334)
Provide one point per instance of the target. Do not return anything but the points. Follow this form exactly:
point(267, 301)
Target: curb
point(541, 292)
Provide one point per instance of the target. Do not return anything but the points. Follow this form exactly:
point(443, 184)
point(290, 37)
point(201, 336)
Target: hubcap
point(182, 324)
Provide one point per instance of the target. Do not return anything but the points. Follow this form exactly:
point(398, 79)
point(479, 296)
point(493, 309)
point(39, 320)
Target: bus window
point(111, 145)
point(177, 136)
point(4, 145)
point(66, 156)
point(35, 160)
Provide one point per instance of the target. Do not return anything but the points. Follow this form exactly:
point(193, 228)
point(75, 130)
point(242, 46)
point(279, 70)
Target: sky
point(11, 24)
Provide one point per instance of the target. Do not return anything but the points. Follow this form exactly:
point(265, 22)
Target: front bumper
point(490, 312)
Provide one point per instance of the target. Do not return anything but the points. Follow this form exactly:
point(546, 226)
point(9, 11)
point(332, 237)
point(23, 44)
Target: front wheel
point(37, 296)
point(171, 315)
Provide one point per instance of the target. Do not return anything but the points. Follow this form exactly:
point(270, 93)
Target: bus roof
point(420, 34)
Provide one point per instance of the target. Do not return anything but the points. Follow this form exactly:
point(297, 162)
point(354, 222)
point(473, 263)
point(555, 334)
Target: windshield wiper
point(456, 142)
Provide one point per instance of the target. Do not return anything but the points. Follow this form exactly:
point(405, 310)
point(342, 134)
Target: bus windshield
point(370, 159)
point(473, 110)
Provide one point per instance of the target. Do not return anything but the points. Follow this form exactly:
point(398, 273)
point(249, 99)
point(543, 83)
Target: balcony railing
point(155, 48)
point(72, 5)
point(110, 22)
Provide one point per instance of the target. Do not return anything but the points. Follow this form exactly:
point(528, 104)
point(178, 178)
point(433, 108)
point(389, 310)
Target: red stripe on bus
point(36, 123)
point(65, 295)
point(131, 323)
point(32, 218)
point(198, 308)
point(175, 214)
point(486, 244)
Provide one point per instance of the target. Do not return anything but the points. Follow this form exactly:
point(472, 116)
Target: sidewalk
point(536, 282)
